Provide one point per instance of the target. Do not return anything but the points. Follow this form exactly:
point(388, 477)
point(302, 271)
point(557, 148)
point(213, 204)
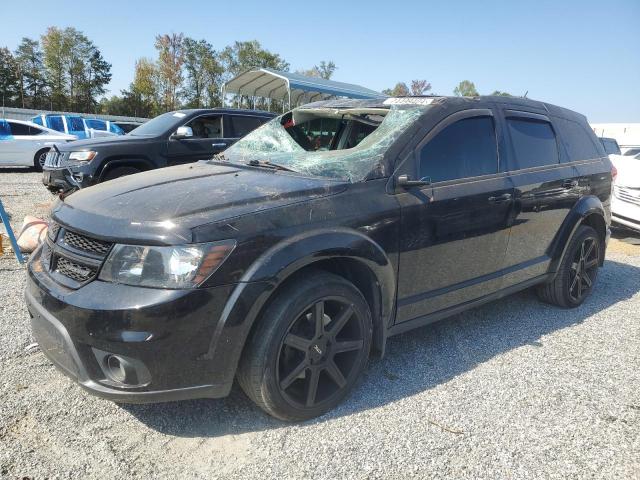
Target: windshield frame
point(273, 144)
point(178, 118)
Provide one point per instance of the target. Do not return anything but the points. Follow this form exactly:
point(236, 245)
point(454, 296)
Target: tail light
point(614, 173)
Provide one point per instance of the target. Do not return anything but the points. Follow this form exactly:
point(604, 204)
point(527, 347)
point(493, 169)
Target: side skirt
point(442, 314)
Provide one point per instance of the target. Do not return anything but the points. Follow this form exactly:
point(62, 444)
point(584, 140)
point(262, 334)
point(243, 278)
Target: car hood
point(628, 170)
point(163, 206)
point(96, 142)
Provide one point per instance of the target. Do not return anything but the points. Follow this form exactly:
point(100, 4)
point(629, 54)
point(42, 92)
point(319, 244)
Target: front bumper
point(169, 332)
point(626, 213)
point(67, 178)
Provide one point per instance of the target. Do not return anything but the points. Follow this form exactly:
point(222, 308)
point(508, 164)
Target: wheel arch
point(344, 252)
point(40, 151)
point(587, 211)
point(140, 162)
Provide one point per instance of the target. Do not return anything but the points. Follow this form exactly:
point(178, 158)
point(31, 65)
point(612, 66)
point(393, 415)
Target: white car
point(625, 203)
point(26, 144)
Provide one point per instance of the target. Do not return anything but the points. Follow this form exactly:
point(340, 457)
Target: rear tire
point(309, 349)
point(119, 172)
point(577, 272)
point(38, 159)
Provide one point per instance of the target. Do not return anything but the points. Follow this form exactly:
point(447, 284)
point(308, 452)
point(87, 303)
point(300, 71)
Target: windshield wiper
point(268, 164)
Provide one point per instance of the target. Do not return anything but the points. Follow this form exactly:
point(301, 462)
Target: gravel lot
point(514, 389)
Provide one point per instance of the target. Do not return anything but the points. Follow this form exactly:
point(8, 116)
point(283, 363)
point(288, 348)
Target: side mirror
point(405, 181)
point(183, 132)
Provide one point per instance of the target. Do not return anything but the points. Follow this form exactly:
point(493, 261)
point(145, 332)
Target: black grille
point(86, 244)
point(75, 271)
point(45, 255)
point(53, 230)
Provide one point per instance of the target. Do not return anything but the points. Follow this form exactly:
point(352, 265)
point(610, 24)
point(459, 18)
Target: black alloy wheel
point(584, 269)
point(577, 271)
point(320, 351)
point(309, 347)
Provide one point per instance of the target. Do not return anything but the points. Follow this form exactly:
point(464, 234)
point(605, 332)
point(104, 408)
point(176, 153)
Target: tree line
point(465, 88)
point(65, 70)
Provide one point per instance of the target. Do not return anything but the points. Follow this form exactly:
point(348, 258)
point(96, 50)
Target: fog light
point(116, 368)
point(120, 370)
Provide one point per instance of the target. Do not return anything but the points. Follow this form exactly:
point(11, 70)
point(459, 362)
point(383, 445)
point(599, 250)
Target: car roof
point(449, 102)
point(190, 111)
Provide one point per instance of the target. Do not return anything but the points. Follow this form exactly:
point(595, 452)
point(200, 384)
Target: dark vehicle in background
point(173, 138)
point(309, 242)
point(610, 145)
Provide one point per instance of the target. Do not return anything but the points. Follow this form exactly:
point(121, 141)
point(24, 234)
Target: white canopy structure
point(292, 88)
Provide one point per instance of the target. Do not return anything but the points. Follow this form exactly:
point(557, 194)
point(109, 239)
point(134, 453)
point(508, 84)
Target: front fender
point(138, 162)
point(275, 266)
point(584, 207)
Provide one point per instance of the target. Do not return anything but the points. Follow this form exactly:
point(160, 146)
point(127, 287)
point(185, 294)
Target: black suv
point(309, 242)
point(169, 139)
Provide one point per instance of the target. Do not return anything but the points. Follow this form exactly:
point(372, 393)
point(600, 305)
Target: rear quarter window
point(576, 140)
point(20, 129)
point(534, 143)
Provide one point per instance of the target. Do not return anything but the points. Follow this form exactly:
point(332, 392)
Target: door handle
point(570, 183)
point(219, 144)
point(505, 197)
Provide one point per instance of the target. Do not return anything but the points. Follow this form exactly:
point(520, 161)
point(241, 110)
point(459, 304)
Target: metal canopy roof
point(268, 83)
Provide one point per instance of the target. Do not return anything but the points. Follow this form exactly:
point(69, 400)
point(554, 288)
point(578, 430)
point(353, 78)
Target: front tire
point(577, 272)
point(309, 349)
point(38, 159)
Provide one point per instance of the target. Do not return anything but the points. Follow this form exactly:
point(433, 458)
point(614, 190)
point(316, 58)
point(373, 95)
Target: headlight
point(83, 156)
point(183, 266)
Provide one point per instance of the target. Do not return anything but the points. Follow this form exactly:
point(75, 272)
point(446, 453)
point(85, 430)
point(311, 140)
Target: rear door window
point(19, 129)
point(37, 120)
point(241, 125)
point(466, 148)
point(534, 143)
point(611, 146)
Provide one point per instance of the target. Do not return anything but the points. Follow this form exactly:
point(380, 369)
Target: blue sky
point(583, 55)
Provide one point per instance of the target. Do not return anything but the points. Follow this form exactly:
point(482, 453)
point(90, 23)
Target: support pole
point(12, 237)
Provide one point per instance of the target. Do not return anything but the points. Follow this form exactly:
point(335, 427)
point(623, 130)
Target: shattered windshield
point(327, 142)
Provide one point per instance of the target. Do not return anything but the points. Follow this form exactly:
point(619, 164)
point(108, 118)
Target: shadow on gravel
point(626, 235)
point(16, 170)
point(414, 362)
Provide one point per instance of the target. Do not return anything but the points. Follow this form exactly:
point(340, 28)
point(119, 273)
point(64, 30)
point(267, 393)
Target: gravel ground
point(514, 389)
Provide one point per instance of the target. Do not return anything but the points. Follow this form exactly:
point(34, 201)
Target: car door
point(455, 230)
point(208, 139)
point(545, 191)
point(25, 143)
